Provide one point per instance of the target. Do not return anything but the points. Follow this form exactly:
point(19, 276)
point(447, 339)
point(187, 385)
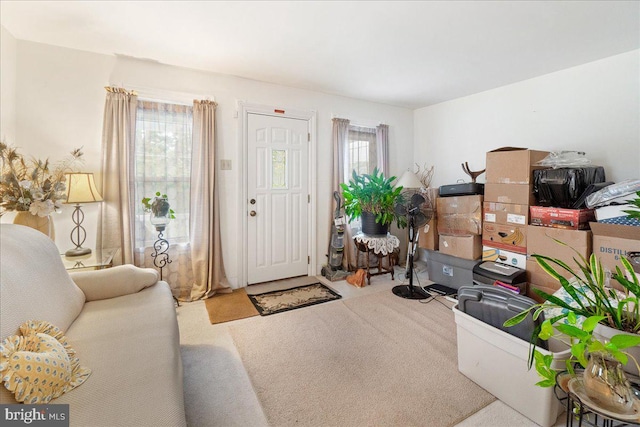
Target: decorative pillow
point(39, 365)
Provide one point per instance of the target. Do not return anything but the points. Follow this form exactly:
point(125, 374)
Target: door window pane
point(279, 169)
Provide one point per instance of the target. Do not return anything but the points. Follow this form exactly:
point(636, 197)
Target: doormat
point(290, 299)
point(227, 307)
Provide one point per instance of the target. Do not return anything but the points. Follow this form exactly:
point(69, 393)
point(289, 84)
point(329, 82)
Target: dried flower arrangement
point(34, 185)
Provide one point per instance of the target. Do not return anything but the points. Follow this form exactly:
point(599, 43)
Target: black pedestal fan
point(416, 218)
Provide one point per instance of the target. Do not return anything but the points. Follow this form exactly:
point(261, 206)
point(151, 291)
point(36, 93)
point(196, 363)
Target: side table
point(381, 246)
point(96, 260)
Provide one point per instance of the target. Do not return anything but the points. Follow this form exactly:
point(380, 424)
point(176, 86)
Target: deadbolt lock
point(252, 201)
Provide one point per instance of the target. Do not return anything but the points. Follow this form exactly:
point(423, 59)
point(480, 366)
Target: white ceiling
point(409, 54)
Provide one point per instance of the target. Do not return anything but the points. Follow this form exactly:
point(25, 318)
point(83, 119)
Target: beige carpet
point(371, 360)
point(227, 307)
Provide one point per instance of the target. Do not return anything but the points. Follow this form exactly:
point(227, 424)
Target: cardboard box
point(505, 236)
point(548, 289)
point(575, 219)
point(512, 165)
point(465, 247)
point(612, 241)
point(504, 256)
point(517, 194)
point(429, 239)
point(540, 241)
point(505, 213)
point(460, 215)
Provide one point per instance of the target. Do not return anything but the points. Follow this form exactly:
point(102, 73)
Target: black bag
point(562, 187)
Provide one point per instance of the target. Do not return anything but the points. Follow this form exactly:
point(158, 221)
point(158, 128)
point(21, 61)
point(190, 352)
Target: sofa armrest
point(114, 282)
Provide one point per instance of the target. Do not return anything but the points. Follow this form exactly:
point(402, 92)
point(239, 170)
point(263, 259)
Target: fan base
point(408, 292)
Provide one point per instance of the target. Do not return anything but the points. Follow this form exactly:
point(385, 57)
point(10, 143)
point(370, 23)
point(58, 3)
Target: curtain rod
point(354, 123)
point(155, 94)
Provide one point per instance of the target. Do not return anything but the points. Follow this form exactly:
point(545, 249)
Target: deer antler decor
point(472, 174)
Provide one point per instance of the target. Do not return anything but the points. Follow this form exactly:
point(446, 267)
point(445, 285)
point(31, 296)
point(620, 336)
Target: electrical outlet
point(225, 164)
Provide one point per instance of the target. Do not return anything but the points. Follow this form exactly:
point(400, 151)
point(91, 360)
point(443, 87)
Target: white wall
point(60, 105)
point(8, 49)
point(593, 108)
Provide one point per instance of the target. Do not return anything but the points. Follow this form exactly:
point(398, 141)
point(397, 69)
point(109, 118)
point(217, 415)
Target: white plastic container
point(497, 361)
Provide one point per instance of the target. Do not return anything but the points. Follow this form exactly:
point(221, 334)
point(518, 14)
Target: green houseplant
point(373, 198)
point(160, 210)
point(603, 377)
point(588, 295)
point(634, 212)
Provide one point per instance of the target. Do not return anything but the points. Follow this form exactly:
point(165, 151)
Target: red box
point(572, 219)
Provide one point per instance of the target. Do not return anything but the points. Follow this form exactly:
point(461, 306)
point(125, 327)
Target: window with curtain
point(361, 151)
point(163, 143)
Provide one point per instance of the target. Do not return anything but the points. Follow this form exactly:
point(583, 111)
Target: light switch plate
point(225, 164)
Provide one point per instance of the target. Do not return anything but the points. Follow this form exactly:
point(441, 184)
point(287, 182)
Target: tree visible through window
point(163, 163)
point(362, 150)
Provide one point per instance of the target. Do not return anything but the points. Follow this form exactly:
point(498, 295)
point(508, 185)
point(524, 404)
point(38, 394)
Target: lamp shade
point(81, 188)
point(409, 180)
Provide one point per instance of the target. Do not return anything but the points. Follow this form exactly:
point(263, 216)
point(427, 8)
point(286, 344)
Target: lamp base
point(77, 252)
point(410, 292)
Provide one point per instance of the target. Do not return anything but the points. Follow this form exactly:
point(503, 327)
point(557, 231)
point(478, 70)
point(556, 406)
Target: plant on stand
point(34, 188)
point(160, 210)
point(373, 198)
point(581, 312)
point(603, 377)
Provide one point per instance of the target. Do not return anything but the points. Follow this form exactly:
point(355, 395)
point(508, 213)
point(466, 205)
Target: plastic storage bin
point(497, 362)
point(449, 270)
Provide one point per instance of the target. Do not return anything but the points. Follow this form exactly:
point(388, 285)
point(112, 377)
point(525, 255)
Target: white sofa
point(121, 321)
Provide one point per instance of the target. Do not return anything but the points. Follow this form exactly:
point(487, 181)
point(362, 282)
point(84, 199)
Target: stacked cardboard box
point(428, 237)
point(541, 242)
point(613, 241)
point(460, 226)
point(508, 193)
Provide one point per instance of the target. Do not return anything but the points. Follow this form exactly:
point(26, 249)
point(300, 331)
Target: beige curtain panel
point(382, 146)
point(204, 227)
point(340, 137)
point(116, 217)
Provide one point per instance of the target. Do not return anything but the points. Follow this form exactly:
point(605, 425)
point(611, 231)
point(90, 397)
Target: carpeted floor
point(372, 360)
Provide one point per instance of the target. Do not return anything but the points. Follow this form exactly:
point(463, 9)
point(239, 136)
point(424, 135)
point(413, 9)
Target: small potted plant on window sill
point(160, 210)
point(373, 199)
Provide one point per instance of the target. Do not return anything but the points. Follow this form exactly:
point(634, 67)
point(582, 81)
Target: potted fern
point(372, 197)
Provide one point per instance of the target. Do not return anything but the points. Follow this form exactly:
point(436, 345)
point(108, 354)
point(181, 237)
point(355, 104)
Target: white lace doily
point(379, 245)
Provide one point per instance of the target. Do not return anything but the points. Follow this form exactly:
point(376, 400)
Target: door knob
point(252, 213)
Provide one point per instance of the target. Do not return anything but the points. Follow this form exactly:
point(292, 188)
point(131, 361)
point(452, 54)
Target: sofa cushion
point(132, 345)
point(33, 281)
point(39, 365)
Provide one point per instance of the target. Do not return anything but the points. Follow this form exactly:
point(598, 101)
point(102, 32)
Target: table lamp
point(80, 188)
point(409, 180)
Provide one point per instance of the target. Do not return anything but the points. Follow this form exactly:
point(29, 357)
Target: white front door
point(277, 202)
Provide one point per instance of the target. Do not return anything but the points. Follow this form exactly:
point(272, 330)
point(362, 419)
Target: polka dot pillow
point(39, 365)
